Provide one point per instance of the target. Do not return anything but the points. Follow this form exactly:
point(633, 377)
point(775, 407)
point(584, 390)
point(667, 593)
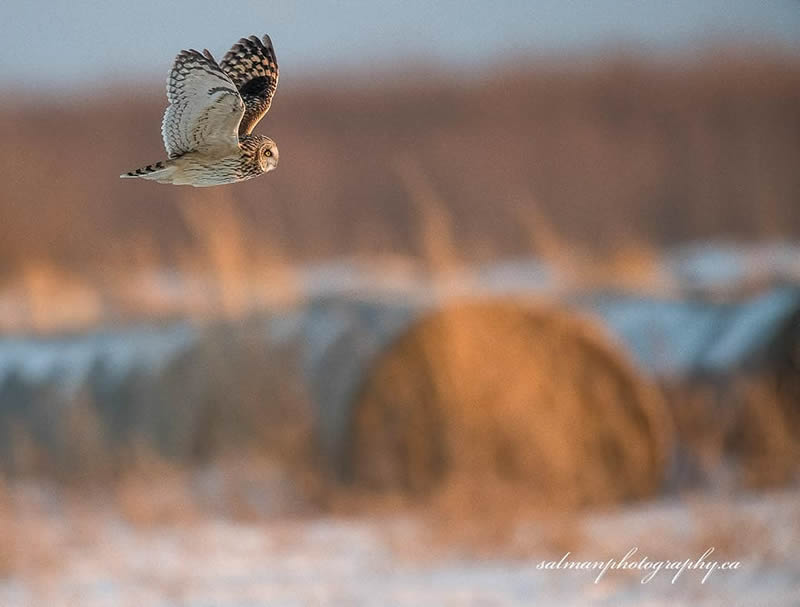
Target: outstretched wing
point(205, 107)
point(252, 67)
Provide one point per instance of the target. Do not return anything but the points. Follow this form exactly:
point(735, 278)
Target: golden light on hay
point(509, 391)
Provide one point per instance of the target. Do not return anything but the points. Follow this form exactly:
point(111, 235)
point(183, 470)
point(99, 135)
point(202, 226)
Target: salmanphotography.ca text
point(703, 564)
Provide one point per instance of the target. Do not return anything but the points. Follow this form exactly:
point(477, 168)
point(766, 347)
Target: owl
point(213, 108)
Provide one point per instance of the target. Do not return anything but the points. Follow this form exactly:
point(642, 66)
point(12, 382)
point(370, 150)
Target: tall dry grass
point(593, 166)
point(614, 151)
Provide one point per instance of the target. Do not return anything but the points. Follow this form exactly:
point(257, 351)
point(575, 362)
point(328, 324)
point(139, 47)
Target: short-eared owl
point(213, 108)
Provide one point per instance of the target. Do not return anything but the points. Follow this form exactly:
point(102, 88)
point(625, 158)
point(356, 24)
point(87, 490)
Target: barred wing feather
point(205, 107)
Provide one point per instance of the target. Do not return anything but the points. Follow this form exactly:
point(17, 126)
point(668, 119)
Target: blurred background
point(526, 282)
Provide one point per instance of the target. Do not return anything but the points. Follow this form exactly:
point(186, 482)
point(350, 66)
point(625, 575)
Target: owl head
point(267, 154)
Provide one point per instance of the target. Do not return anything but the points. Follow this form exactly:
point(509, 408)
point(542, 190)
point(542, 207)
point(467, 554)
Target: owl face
point(268, 155)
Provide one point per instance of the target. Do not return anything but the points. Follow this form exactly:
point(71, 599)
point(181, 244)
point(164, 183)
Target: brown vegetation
point(614, 151)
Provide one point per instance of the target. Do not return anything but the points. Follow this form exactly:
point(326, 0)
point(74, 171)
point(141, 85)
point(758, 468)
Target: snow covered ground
point(84, 552)
point(91, 557)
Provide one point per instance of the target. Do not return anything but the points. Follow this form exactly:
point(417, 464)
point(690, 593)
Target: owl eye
point(267, 153)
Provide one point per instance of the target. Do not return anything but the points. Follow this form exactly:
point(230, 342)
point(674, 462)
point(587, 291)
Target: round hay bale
point(782, 362)
point(508, 390)
point(340, 338)
point(229, 390)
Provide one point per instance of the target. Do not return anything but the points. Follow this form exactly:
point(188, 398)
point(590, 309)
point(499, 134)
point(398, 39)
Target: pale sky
point(56, 42)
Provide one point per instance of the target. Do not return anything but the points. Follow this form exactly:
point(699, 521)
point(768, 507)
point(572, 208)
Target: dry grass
point(614, 151)
point(631, 265)
point(28, 532)
point(497, 517)
point(593, 167)
point(7, 536)
point(730, 534)
point(156, 493)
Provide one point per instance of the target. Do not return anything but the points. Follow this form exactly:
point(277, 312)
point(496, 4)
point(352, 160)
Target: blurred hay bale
point(230, 390)
point(341, 337)
point(735, 431)
point(738, 413)
point(97, 407)
point(783, 356)
point(232, 403)
point(511, 391)
point(697, 337)
point(765, 437)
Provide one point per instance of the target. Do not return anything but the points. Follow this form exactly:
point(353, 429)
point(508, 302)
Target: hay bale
point(781, 365)
point(231, 389)
point(341, 337)
point(508, 390)
point(737, 403)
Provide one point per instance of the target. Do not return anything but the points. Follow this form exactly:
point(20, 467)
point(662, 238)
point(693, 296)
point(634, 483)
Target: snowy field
point(61, 549)
point(82, 556)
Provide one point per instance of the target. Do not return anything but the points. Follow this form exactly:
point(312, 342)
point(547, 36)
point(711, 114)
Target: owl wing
point(205, 107)
point(252, 67)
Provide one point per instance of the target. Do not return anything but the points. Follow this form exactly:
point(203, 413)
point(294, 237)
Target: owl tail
point(160, 171)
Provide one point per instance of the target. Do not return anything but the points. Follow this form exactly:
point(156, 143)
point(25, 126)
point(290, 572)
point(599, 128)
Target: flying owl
point(213, 108)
